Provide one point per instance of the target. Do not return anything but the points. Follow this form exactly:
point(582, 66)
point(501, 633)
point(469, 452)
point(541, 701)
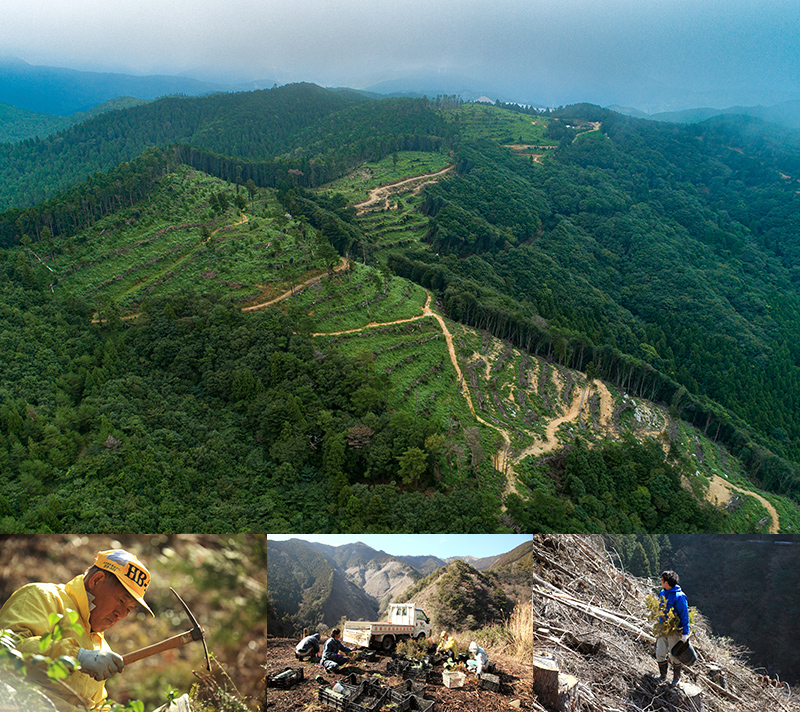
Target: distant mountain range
point(312, 584)
point(61, 91)
point(785, 114)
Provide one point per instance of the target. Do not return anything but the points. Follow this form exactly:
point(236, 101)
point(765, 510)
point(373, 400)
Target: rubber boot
point(676, 674)
point(662, 668)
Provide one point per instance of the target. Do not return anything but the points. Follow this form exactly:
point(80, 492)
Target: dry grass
point(520, 630)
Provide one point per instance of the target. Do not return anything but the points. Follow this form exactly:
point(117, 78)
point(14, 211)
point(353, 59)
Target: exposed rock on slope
point(377, 573)
point(593, 643)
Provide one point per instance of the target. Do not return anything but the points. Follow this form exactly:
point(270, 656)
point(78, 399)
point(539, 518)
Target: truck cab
point(409, 614)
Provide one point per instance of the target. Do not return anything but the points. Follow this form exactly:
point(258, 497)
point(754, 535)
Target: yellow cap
point(131, 572)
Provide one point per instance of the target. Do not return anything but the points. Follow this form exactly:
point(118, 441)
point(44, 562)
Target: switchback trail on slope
point(382, 192)
point(720, 491)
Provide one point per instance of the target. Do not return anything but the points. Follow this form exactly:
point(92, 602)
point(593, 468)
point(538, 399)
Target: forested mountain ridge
point(380, 575)
point(570, 258)
point(249, 126)
point(306, 589)
point(20, 124)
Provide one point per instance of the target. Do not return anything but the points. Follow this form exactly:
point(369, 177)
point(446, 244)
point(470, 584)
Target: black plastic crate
point(370, 699)
point(416, 673)
point(490, 682)
point(401, 700)
point(418, 704)
point(396, 667)
point(331, 698)
point(410, 686)
point(286, 678)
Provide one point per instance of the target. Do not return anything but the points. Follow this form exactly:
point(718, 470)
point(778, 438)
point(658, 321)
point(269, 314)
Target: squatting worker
point(102, 596)
point(672, 598)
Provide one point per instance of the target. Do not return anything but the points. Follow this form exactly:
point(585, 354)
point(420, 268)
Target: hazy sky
point(630, 52)
point(441, 545)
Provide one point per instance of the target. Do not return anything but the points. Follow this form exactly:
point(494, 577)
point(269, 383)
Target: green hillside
point(305, 590)
point(496, 320)
point(20, 124)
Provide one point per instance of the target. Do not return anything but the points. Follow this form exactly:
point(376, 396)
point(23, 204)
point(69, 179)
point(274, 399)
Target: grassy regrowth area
point(507, 127)
point(391, 169)
point(357, 297)
point(176, 241)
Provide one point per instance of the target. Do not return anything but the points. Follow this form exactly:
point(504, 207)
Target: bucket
point(684, 652)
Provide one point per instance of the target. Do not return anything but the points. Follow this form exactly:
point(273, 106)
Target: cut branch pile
point(594, 645)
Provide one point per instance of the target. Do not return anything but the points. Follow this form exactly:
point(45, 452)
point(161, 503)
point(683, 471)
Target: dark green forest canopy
point(319, 132)
point(199, 418)
point(661, 258)
point(674, 246)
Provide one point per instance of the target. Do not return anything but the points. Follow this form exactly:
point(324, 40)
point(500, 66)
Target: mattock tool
point(176, 641)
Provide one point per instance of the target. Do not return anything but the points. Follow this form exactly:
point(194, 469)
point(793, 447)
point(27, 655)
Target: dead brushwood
point(590, 620)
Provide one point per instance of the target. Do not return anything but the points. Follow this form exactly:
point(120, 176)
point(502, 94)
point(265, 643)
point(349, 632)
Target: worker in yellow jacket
point(447, 645)
point(102, 596)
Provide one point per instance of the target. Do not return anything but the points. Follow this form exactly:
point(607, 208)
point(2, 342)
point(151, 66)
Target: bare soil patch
point(515, 678)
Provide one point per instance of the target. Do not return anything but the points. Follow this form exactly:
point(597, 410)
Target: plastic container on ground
point(329, 698)
point(490, 682)
point(453, 678)
point(410, 686)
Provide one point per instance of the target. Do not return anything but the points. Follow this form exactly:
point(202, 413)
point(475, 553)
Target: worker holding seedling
point(102, 596)
point(332, 653)
point(672, 601)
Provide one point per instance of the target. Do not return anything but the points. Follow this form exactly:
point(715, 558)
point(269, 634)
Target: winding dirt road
point(382, 192)
point(720, 491)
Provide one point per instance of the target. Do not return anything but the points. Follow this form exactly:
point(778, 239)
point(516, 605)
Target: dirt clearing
point(515, 678)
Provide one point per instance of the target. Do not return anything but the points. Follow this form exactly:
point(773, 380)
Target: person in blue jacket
point(332, 656)
point(308, 647)
point(673, 599)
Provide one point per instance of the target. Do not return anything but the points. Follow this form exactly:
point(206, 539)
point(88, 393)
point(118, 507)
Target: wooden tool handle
point(176, 641)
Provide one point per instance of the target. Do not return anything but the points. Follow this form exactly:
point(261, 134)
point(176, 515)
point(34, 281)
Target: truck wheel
point(421, 638)
point(387, 643)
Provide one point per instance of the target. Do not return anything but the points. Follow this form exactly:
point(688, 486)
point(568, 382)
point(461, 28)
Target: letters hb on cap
point(130, 572)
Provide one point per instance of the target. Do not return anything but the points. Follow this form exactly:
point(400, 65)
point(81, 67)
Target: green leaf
point(57, 670)
point(53, 618)
point(45, 641)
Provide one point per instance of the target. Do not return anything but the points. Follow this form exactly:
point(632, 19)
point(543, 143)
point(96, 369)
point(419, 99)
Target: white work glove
point(100, 664)
point(685, 638)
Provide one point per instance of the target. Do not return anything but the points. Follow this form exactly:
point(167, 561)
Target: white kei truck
point(405, 621)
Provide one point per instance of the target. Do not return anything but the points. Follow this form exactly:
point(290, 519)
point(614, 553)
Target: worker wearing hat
point(447, 645)
point(102, 596)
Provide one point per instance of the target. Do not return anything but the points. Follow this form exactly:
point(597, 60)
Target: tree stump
point(555, 689)
point(689, 697)
point(717, 675)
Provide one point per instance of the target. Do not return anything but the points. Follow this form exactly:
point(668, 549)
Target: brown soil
point(379, 196)
point(719, 492)
point(515, 678)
